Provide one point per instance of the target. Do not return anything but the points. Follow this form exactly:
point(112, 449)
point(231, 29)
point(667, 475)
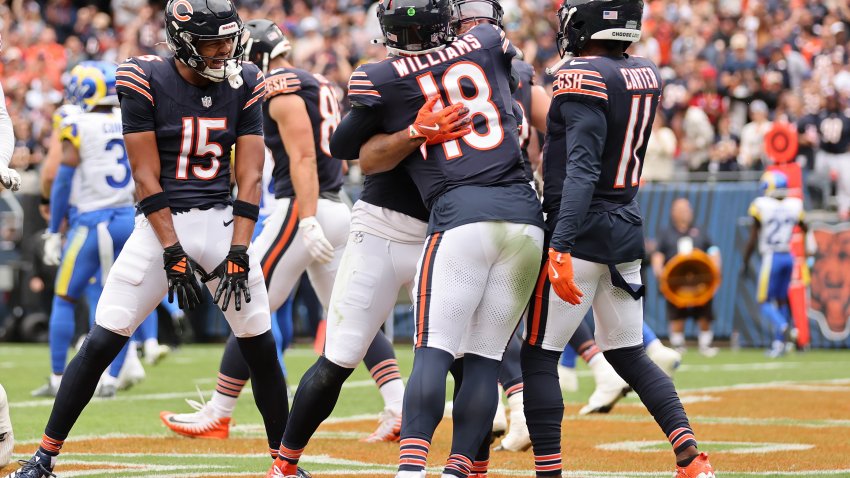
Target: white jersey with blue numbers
point(778, 217)
point(103, 179)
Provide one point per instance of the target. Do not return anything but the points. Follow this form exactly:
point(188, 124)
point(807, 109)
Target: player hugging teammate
point(437, 131)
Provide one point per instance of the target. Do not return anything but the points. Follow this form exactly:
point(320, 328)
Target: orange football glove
point(440, 126)
point(561, 277)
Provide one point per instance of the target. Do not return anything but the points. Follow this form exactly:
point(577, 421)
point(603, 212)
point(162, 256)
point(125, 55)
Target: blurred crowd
point(731, 66)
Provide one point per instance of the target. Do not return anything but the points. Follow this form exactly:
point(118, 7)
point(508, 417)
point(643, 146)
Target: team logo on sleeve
point(187, 7)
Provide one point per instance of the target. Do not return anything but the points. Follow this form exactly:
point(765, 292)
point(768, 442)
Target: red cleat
point(699, 468)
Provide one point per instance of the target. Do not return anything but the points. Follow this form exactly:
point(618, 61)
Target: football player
point(9, 178)
point(601, 116)
point(833, 156)
point(469, 299)
point(181, 116)
point(93, 189)
point(775, 215)
point(308, 227)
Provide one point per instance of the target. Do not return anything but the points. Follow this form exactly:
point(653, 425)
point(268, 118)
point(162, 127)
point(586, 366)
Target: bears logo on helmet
point(183, 17)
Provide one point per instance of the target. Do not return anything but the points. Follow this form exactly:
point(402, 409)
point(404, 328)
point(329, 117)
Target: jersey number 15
point(195, 143)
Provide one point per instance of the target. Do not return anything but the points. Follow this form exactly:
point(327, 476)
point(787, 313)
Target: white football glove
point(314, 238)
point(10, 179)
point(52, 248)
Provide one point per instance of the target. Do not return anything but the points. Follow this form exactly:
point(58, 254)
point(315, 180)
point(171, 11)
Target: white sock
point(393, 395)
point(411, 474)
point(132, 353)
point(677, 339)
point(107, 379)
point(55, 380)
point(151, 348)
point(705, 338)
point(653, 346)
point(516, 406)
point(594, 359)
point(222, 405)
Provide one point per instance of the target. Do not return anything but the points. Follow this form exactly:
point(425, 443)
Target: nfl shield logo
point(206, 101)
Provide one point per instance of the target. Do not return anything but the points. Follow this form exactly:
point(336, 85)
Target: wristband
point(153, 203)
point(246, 209)
point(45, 201)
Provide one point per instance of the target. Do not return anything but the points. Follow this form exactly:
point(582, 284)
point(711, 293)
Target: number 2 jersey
point(598, 128)
point(778, 218)
point(480, 176)
point(323, 109)
point(195, 127)
point(103, 179)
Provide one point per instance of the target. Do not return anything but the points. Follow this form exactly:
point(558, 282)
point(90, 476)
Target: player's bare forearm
point(296, 131)
point(144, 163)
point(657, 263)
point(384, 152)
point(248, 170)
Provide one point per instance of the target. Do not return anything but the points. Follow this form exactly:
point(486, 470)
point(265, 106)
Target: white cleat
point(568, 378)
point(709, 351)
point(518, 438)
point(610, 388)
point(7, 440)
point(155, 356)
point(132, 372)
point(389, 427)
point(500, 419)
point(667, 359)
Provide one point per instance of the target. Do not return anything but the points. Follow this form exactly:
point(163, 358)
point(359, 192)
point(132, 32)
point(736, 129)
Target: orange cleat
point(699, 468)
point(389, 428)
point(200, 424)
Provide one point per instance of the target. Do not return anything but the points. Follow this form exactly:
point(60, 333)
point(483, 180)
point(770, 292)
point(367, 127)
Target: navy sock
point(380, 360)
point(656, 391)
point(314, 401)
point(544, 407)
point(583, 342)
point(233, 364)
point(79, 383)
point(269, 386)
point(423, 406)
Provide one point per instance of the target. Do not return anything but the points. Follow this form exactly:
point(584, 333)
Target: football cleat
point(156, 354)
point(518, 438)
point(132, 372)
point(667, 359)
point(389, 427)
point(568, 379)
point(278, 467)
point(7, 440)
point(104, 390)
point(699, 468)
point(39, 466)
point(46, 390)
point(201, 424)
point(610, 388)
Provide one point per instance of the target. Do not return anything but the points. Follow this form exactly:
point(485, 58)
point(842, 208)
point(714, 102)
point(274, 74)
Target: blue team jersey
point(614, 101)
point(196, 127)
point(480, 176)
point(522, 95)
point(323, 109)
point(396, 191)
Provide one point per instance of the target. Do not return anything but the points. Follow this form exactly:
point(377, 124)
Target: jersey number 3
point(196, 144)
point(479, 104)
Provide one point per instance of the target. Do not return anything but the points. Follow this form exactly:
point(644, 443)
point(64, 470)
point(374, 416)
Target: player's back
point(628, 90)
point(195, 127)
point(778, 218)
point(103, 179)
point(323, 110)
point(475, 70)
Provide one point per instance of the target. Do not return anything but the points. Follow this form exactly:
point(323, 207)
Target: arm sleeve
point(60, 195)
point(586, 130)
point(7, 133)
point(251, 116)
point(354, 130)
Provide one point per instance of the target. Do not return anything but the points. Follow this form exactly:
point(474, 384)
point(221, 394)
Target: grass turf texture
point(756, 417)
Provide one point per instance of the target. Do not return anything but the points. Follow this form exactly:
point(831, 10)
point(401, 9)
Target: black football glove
point(233, 272)
point(180, 270)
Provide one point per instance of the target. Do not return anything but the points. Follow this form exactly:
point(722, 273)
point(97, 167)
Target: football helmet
point(263, 41)
point(474, 10)
point(414, 27)
point(92, 83)
point(188, 22)
point(773, 184)
point(583, 20)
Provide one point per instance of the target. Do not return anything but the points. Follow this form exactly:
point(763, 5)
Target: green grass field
point(791, 414)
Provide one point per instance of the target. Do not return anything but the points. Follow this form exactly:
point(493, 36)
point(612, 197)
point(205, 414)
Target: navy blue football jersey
point(475, 70)
point(396, 191)
point(522, 95)
point(196, 127)
point(598, 128)
point(323, 109)
point(834, 131)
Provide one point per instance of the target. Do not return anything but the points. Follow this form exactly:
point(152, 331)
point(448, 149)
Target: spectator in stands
point(751, 155)
point(660, 152)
